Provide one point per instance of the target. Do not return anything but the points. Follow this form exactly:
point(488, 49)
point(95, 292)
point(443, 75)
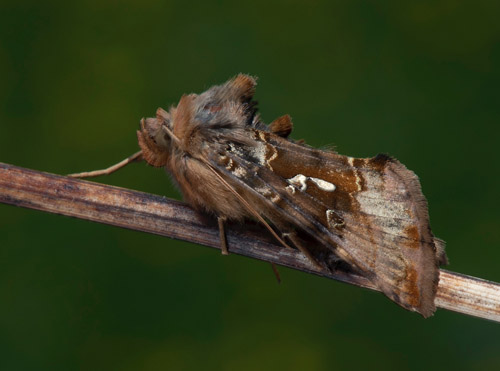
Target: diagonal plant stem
point(154, 214)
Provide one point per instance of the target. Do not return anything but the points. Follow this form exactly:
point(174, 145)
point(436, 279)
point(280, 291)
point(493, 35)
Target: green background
point(418, 80)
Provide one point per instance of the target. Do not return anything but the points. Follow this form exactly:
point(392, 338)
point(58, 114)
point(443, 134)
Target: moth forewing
point(373, 238)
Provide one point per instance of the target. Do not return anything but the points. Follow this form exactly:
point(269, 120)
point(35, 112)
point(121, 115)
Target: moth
point(369, 213)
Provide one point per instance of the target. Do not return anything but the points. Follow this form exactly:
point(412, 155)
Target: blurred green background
point(417, 80)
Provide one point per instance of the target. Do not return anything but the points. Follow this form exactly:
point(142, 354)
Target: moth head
point(154, 140)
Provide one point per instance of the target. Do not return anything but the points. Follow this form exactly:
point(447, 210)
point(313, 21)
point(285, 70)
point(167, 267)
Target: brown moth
point(370, 213)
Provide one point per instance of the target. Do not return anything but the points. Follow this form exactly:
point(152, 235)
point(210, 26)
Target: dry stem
point(154, 214)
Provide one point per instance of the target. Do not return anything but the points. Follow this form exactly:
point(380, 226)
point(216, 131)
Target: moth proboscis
point(369, 213)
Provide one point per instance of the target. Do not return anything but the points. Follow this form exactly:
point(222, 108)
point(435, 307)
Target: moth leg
point(135, 157)
point(276, 272)
point(296, 240)
point(224, 250)
point(222, 235)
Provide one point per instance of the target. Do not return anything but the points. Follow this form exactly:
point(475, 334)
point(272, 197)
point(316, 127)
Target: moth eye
point(153, 128)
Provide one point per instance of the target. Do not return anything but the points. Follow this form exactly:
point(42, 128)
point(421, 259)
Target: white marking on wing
point(290, 189)
point(275, 198)
point(259, 152)
point(323, 184)
point(299, 181)
point(264, 191)
point(330, 218)
point(356, 173)
point(240, 172)
point(272, 157)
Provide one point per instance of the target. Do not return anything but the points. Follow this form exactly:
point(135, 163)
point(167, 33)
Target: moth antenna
point(245, 204)
point(172, 135)
point(88, 174)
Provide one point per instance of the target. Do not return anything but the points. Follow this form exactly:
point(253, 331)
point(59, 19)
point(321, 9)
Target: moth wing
point(371, 212)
